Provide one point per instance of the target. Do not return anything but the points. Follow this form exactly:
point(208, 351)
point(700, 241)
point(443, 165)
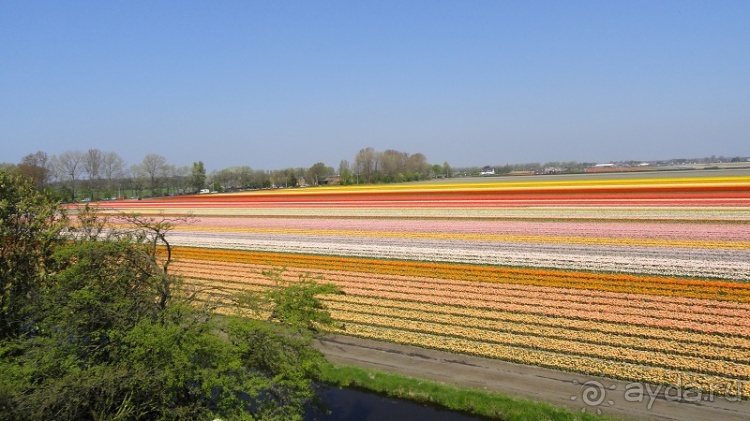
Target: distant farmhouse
point(487, 171)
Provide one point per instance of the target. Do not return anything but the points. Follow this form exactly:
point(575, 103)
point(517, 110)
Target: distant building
point(330, 181)
point(487, 171)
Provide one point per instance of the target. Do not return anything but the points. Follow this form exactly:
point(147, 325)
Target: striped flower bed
point(641, 279)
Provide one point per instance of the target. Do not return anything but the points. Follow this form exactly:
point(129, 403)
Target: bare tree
point(417, 165)
point(182, 178)
point(366, 163)
point(170, 175)
point(113, 169)
point(227, 178)
point(139, 178)
point(92, 165)
point(69, 166)
point(393, 163)
point(390, 165)
point(244, 176)
point(154, 165)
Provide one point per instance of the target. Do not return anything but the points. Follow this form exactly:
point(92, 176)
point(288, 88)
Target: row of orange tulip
point(621, 283)
point(644, 305)
point(229, 278)
point(625, 310)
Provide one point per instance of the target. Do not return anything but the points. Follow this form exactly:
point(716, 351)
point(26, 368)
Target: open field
point(728, 170)
point(641, 278)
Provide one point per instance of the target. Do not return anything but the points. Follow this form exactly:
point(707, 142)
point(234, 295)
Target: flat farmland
point(641, 277)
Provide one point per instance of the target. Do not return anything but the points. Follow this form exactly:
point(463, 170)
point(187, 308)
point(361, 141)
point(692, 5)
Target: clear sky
point(275, 84)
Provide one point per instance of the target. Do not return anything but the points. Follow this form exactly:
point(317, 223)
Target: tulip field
point(641, 278)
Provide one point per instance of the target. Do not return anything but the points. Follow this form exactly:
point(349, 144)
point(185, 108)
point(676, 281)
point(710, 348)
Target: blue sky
point(276, 84)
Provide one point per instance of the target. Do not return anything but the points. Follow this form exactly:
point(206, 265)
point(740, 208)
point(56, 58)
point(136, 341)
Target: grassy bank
point(470, 401)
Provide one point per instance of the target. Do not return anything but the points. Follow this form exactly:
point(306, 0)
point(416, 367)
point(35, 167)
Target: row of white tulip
point(704, 263)
point(692, 231)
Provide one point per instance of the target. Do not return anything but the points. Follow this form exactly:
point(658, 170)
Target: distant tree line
point(102, 175)
point(96, 174)
point(389, 166)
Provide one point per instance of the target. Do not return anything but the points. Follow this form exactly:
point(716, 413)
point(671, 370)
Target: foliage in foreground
point(94, 327)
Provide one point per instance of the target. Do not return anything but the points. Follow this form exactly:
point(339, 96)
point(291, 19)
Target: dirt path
point(575, 391)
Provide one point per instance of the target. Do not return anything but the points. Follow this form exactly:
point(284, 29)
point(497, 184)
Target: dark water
point(354, 405)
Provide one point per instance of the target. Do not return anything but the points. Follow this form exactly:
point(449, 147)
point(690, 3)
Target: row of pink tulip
point(635, 230)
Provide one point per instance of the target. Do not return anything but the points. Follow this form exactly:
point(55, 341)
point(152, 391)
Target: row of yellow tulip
point(576, 363)
point(681, 338)
point(584, 335)
point(725, 369)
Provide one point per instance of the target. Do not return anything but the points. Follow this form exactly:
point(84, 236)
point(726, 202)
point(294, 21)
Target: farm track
point(530, 382)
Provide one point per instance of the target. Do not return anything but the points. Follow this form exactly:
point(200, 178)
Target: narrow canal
point(354, 405)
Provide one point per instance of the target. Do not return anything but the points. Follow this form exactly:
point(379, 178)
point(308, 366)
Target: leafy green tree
point(30, 224)
point(447, 170)
point(345, 172)
point(346, 177)
point(198, 176)
point(318, 172)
